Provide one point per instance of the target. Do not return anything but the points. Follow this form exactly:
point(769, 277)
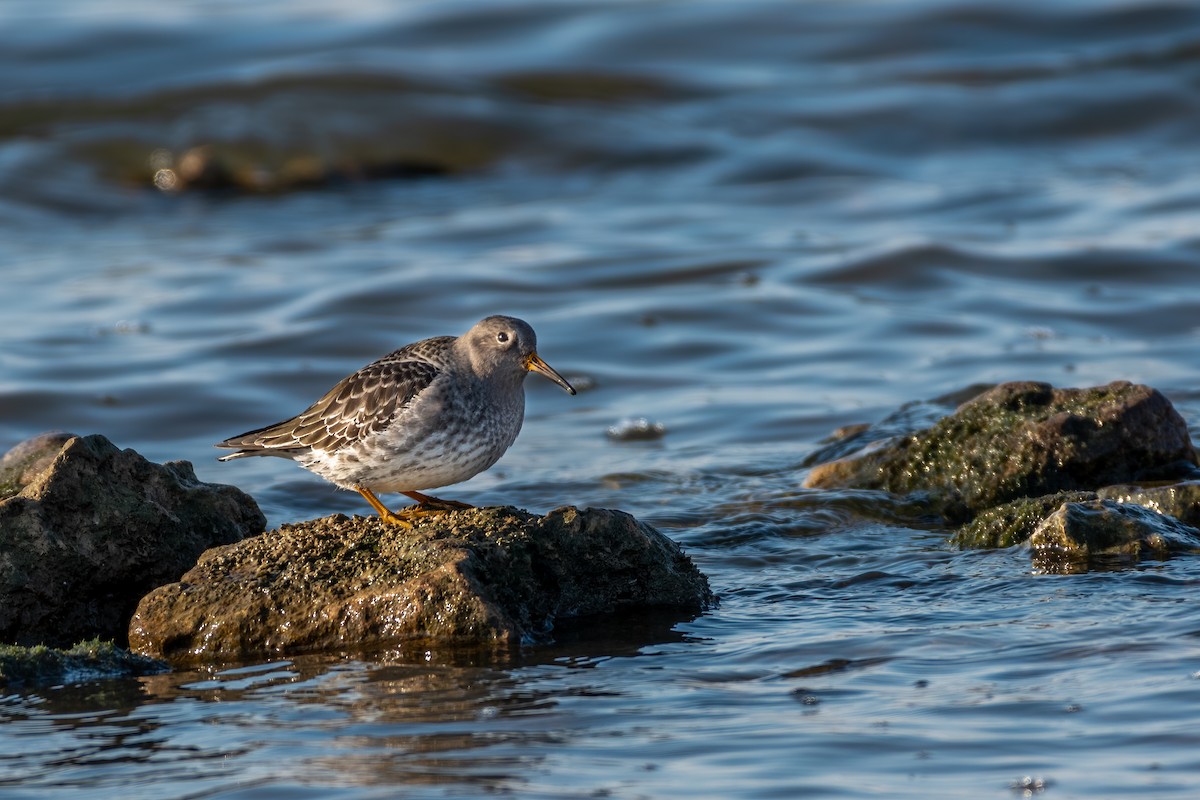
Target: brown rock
point(97, 529)
point(21, 465)
point(492, 575)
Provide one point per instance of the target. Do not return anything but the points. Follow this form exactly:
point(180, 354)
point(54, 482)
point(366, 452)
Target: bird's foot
point(426, 507)
point(396, 519)
point(426, 503)
point(405, 517)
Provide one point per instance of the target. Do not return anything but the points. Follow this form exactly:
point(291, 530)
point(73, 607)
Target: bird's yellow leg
point(383, 511)
point(434, 503)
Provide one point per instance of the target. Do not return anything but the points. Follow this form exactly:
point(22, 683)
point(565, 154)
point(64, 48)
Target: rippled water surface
point(749, 222)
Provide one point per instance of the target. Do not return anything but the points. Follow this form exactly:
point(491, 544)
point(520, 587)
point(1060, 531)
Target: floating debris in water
point(1029, 786)
point(123, 327)
point(1040, 332)
point(637, 430)
point(165, 180)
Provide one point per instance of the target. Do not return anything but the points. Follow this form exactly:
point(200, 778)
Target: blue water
point(792, 217)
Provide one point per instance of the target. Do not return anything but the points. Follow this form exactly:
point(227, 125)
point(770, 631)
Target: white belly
point(423, 449)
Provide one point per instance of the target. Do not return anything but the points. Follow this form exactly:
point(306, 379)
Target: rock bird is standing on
point(433, 413)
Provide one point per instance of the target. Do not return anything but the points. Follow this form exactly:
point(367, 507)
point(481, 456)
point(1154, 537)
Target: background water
point(751, 222)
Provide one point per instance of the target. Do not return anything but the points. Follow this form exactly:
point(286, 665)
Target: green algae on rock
point(497, 576)
point(90, 660)
point(1012, 522)
point(1025, 440)
point(96, 529)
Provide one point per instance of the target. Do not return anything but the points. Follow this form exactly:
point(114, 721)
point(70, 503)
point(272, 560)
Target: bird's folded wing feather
point(360, 405)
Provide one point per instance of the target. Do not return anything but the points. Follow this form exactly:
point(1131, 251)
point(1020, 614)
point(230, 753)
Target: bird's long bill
point(535, 364)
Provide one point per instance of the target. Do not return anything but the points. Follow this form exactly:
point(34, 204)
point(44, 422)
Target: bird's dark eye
point(502, 337)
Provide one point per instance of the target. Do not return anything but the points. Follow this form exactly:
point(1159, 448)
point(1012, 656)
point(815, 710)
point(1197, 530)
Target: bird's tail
point(251, 443)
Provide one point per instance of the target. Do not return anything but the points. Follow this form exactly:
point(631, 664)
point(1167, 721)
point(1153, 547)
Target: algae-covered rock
point(90, 660)
point(98, 528)
point(1080, 532)
point(491, 575)
point(1026, 440)
point(1012, 522)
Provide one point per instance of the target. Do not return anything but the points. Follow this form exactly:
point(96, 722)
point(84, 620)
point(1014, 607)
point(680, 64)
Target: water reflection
point(463, 716)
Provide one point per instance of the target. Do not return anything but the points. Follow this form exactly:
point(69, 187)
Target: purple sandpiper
point(433, 413)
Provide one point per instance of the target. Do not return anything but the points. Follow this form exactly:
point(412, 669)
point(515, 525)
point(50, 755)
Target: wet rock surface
point(1179, 500)
point(1013, 522)
point(1077, 535)
point(93, 528)
point(489, 576)
point(1066, 470)
point(1025, 440)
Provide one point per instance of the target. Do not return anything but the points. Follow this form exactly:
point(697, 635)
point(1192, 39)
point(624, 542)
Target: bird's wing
point(360, 405)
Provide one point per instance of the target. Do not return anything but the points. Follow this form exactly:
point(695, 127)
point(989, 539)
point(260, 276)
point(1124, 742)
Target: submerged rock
point(1026, 440)
point(95, 529)
point(1079, 533)
point(489, 575)
point(85, 661)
